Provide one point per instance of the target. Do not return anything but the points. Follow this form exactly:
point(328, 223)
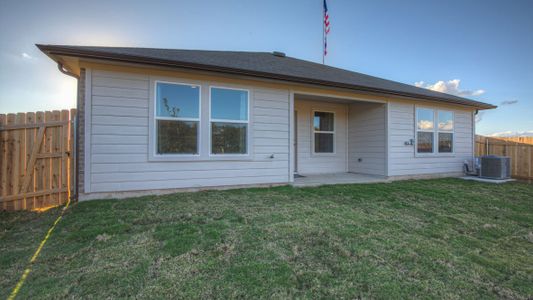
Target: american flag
point(326, 30)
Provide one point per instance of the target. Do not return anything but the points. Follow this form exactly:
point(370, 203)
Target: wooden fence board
point(3, 161)
point(20, 164)
point(55, 148)
point(47, 143)
point(30, 166)
point(36, 153)
point(522, 169)
point(9, 159)
point(530, 163)
point(39, 174)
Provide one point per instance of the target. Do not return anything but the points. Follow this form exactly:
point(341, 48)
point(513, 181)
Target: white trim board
point(87, 134)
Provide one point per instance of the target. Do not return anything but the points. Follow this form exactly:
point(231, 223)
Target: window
point(425, 130)
point(445, 131)
point(324, 132)
point(229, 121)
point(429, 132)
point(177, 117)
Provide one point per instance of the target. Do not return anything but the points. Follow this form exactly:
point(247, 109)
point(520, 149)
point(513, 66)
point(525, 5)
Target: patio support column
point(291, 136)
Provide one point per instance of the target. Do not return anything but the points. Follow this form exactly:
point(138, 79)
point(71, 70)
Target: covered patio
point(338, 140)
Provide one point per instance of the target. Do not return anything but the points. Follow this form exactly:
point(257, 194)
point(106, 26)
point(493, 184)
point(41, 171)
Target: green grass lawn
point(443, 238)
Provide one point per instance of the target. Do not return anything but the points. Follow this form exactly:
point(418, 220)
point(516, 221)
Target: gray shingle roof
point(259, 64)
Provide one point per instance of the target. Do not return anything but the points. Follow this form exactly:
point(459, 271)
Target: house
point(161, 120)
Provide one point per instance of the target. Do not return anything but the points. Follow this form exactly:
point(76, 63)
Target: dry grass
point(414, 239)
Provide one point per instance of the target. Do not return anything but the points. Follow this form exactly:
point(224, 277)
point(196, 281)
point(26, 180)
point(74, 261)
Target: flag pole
point(323, 33)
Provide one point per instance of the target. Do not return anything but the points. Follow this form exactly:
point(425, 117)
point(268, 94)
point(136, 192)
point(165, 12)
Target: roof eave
point(52, 51)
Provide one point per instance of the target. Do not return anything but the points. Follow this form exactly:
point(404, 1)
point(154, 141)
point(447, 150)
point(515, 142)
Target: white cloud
point(26, 55)
point(448, 125)
point(512, 133)
point(449, 87)
point(425, 124)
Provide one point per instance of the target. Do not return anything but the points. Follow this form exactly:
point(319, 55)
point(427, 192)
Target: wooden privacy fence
point(520, 152)
point(36, 159)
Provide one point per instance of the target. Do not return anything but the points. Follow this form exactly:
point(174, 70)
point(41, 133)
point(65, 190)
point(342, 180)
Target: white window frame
point(162, 156)
point(435, 132)
point(247, 122)
point(313, 131)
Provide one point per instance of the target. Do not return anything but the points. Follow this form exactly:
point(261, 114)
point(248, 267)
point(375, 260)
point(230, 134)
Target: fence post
point(3, 161)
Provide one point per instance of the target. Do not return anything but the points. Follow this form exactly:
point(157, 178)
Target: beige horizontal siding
point(119, 141)
point(402, 158)
point(170, 175)
point(119, 101)
point(186, 183)
point(120, 130)
point(119, 92)
point(120, 120)
point(367, 138)
point(184, 166)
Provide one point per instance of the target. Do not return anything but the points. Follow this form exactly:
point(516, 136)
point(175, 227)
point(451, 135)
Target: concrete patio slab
point(487, 180)
point(336, 178)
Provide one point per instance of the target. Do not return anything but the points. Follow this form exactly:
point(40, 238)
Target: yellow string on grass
point(36, 254)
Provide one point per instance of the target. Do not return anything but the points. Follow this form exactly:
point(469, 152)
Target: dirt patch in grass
point(414, 239)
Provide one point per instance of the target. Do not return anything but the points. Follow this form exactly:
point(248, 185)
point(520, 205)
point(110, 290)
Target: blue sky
point(479, 49)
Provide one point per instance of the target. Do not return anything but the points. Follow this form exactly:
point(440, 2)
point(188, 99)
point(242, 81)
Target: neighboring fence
point(520, 152)
point(36, 159)
point(520, 139)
